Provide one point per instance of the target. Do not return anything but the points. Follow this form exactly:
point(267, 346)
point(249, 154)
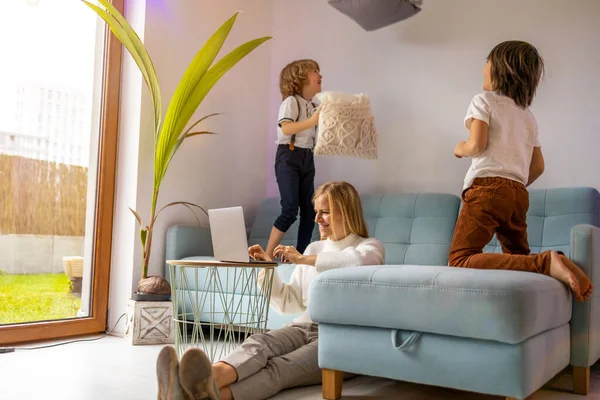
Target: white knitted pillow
point(346, 126)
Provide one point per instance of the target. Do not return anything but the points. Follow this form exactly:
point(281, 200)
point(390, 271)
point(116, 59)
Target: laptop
point(228, 232)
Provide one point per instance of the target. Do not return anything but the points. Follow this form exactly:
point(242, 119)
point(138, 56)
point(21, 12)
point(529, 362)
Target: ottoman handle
point(407, 343)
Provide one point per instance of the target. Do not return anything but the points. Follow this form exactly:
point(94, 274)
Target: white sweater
point(351, 251)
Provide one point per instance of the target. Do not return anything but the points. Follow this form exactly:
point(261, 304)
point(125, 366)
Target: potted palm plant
point(171, 131)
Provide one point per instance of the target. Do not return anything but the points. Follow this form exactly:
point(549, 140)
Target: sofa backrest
point(267, 213)
point(414, 228)
point(553, 213)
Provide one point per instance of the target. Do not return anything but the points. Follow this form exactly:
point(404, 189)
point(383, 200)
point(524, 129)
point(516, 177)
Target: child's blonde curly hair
point(295, 76)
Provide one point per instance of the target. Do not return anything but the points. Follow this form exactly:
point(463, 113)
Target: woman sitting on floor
point(267, 363)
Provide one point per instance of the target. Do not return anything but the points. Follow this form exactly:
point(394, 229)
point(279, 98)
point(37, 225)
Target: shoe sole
point(195, 375)
point(166, 372)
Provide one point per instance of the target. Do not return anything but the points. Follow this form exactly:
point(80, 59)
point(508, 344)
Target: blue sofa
point(414, 319)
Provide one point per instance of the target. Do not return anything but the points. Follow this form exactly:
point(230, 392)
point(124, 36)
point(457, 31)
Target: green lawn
point(28, 298)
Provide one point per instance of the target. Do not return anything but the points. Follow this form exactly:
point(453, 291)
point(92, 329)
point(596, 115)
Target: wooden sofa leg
point(581, 380)
point(332, 384)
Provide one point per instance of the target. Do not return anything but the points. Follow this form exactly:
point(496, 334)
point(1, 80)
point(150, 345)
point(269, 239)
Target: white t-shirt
point(353, 250)
point(512, 135)
point(294, 109)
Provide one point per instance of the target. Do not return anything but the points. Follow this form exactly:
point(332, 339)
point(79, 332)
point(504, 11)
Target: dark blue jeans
point(295, 172)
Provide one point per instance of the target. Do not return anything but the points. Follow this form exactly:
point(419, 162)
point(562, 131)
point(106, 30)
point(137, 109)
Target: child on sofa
point(299, 82)
point(267, 363)
point(507, 157)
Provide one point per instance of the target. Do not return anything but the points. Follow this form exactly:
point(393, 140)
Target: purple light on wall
point(159, 4)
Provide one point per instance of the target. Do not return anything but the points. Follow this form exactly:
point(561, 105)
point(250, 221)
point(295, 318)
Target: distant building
point(50, 123)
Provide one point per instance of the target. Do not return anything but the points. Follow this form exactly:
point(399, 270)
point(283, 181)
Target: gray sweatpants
point(267, 363)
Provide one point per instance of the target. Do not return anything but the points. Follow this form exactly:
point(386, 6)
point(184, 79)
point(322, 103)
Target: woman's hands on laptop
point(258, 253)
point(288, 254)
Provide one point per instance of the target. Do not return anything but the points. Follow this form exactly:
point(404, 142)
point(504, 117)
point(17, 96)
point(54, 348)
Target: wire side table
point(217, 305)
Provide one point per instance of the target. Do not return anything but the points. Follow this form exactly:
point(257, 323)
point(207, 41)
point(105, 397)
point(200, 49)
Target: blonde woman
point(269, 362)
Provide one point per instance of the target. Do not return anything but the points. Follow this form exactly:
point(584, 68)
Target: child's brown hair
point(294, 76)
point(516, 70)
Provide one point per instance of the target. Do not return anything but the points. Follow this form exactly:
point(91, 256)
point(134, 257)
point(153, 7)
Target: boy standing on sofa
point(299, 82)
point(507, 157)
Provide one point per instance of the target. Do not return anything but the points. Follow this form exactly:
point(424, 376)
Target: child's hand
point(314, 120)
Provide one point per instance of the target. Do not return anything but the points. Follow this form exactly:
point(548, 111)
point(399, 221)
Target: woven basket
point(73, 266)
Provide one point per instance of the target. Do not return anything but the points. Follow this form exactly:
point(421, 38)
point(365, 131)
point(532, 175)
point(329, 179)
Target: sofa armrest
point(585, 322)
point(187, 241)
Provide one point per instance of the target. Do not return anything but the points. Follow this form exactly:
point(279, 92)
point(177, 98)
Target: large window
point(59, 85)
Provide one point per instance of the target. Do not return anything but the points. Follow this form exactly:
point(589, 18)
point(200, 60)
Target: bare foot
point(589, 292)
point(585, 286)
point(558, 270)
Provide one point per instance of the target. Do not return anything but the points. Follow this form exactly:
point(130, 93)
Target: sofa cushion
point(414, 228)
point(505, 306)
point(552, 213)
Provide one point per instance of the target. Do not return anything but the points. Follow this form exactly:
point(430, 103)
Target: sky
point(45, 42)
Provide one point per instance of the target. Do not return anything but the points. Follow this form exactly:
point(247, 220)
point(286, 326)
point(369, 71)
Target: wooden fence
point(41, 198)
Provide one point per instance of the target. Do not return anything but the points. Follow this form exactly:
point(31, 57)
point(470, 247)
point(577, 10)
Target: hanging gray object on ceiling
point(376, 14)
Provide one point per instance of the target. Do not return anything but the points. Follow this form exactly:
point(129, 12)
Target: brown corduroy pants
point(495, 205)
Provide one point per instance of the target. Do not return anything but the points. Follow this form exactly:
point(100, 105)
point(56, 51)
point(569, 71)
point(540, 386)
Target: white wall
point(421, 74)
point(226, 169)
point(213, 171)
point(124, 231)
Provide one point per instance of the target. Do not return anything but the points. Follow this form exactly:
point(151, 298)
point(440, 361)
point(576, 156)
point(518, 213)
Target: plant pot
point(153, 286)
point(139, 296)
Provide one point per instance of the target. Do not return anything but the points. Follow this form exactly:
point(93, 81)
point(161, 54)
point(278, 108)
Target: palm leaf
point(194, 73)
point(186, 204)
point(137, 216)
point(132, 42)
point(200, 120)
point(143, 236)
point(185, 136)
point(167, 144)
point(213, 75)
